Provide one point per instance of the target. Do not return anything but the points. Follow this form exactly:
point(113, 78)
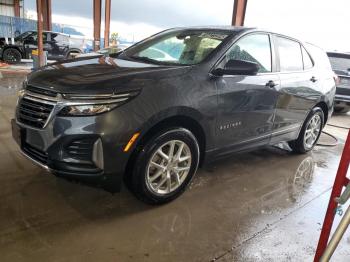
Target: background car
point(57, 45)
point(341, 66)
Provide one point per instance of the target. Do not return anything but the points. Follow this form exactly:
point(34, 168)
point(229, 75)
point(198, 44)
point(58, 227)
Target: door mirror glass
point(238, 67)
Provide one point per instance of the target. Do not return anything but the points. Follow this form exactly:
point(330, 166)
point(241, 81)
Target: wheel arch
point(73, 50)
point(182, 120)
point(13, 47)
point(325, 110)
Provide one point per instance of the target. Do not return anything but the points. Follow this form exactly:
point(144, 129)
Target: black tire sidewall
point(139, 173)
point(18, 56)
point(300, 140)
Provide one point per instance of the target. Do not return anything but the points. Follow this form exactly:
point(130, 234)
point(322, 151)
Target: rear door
point(60, 45)
point(246, 103)
point(298, 91)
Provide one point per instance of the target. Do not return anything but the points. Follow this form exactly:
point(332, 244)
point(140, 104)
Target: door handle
point(271, 84)
point(313, 79)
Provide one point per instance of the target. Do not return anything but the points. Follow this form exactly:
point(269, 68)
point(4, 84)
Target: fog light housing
point(97, 154)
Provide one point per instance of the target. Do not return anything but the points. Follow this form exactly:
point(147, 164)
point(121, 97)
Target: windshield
point(24, 35)
point(185, 47)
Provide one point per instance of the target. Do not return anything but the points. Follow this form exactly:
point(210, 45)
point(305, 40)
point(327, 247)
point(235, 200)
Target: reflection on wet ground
point(266, 205)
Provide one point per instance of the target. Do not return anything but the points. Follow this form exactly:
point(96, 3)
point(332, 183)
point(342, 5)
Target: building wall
point(7, 7)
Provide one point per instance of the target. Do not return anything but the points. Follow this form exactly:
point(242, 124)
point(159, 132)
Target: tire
point(12, 56)
point(165, 170)
point(300, 145)
point(341, 110)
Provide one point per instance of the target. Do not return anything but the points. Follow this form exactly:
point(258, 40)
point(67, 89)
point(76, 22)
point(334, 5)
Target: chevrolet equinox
point(151, 114)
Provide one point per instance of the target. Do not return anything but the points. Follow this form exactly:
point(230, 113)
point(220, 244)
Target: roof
point(229, 29)
point(339, 54)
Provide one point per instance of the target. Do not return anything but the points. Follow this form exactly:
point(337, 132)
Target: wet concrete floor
point(266, 205)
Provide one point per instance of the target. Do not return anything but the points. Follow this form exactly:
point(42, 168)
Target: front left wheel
point(12, 56)
point(165, 166)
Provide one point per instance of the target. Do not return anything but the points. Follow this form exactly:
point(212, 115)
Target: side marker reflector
point(131, 142)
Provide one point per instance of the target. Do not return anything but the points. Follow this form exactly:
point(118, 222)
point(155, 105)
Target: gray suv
point(152, 118)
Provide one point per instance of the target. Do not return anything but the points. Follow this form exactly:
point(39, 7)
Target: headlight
point(22, 88)
point(89, 105)
point(86, 110)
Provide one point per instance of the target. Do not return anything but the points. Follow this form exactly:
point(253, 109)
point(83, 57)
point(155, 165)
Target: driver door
point(246, 103)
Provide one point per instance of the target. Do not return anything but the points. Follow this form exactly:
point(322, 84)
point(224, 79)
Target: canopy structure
point(44, 12)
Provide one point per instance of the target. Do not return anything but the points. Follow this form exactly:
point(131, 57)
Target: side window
point(59, 38)
point(253, 48)
point(35, 36)
point(306, 59)
point(290, 55)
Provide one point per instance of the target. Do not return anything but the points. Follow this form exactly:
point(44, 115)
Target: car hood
point(100, 75)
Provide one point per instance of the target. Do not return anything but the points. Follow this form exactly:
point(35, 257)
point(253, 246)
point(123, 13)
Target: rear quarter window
point(320, 57)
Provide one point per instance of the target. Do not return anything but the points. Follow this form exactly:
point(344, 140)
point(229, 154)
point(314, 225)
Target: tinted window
point(306, 59)
point(289, 54)
point(35, 36)
point(59, 38)
point(254, 48)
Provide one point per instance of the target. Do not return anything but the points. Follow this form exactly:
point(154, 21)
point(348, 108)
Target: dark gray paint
point(265, 115)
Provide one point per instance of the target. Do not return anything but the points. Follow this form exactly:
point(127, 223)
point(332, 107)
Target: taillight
point(336, 79)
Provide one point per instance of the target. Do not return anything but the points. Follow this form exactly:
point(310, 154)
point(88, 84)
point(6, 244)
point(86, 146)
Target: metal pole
point(238, 15)
point(97, 24)
point(107, 22)
point(47, 15)
point(40, 32)
point(17, 8)
point(337, 236)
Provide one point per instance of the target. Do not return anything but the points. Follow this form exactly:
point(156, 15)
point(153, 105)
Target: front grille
point(34, 153)
point(41, 91)
point(81, 149)
point(33, 113)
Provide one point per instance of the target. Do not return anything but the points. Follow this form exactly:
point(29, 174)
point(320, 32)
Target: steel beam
point(97, 24)
point(17, 8)
point(107, 22)
point(47, 14)
point(39, 11)
point(239, 8)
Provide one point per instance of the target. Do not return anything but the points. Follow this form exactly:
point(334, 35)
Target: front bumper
point(85, 147)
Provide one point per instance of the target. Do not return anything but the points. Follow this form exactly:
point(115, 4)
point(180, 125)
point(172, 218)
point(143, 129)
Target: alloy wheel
point(312, 131)
point(168, 167)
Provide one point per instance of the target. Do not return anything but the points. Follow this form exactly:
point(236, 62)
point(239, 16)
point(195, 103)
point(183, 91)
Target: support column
point(107, 22)
point(239, 8)
point(40, 31)
point(97, 24)
point(17, 8)
point(46, 9)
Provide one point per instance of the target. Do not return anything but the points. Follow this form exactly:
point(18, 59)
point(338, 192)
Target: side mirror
point(237, 67)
